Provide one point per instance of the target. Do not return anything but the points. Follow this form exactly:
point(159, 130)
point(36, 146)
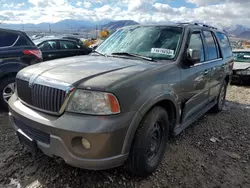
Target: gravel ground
point(213, 152)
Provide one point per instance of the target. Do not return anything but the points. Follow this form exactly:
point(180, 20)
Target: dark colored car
point(54, 48)
point(78, 40)
point(123, 102)
point(16, 52)
point(241, 70)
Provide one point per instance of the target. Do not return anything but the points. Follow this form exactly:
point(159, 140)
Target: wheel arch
point(8, 74)
point(167, 102)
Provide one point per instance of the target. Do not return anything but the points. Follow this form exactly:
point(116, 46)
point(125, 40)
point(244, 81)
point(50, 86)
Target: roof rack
point(205, 25)
point(199, 24)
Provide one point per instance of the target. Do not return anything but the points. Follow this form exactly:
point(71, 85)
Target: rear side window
point(212, 50)
point(7, 39)
point(225, 44)
point(22, 41)
point(68, 45)
point(48, 45)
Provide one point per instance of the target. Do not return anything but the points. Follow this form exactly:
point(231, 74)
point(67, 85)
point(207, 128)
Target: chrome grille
point(40, 96)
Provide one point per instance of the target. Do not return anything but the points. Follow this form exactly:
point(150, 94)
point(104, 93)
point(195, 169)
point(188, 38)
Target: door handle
point(52, 55)
point(206, 72)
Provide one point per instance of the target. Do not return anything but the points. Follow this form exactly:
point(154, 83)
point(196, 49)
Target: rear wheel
point(221, 98)
point(7, 89)
point(149, 143)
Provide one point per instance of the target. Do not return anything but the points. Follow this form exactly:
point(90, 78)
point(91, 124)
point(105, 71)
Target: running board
point(179, 128)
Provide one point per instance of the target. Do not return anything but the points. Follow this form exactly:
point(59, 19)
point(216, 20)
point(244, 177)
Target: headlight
point(92, 102)
point(243, 72)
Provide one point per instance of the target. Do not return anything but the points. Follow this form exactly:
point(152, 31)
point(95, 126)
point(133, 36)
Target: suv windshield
point(242, 56)
point(156, 42)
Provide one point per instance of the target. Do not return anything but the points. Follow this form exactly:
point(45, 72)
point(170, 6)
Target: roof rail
point(199, 24)
point(205, 25)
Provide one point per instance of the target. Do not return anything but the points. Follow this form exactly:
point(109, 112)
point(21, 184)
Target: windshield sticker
point(162, 51)
point(246, 56)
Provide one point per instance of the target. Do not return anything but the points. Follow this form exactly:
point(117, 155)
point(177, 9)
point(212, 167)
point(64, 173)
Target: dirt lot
point(214, 152)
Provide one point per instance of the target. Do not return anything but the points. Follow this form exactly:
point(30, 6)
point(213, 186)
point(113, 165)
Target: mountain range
point(238, 31)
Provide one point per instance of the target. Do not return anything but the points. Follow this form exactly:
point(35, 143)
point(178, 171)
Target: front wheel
point(221, 98)
point(7, 89)
point(149, 143)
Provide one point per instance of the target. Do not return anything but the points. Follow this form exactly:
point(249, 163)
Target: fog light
point(85, 143)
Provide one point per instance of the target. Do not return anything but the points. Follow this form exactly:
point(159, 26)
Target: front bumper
point(239, 78)
point(61, 136)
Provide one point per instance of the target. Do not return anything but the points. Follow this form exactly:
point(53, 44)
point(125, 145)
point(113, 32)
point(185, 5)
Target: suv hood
point(241, 65)
point(75, 70)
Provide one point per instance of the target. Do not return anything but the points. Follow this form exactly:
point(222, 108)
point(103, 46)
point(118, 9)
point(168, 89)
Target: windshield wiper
point(99, 53)
point(133, 55)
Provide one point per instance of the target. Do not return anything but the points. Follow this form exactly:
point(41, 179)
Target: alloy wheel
point(8, 91)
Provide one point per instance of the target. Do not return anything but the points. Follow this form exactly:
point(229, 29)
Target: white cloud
point(87, 4)
point(13, 6)
point(46, 3)
point(79, 3)
point(225, 12)
point(209, 2)
point(202, 2)
point(105, 8)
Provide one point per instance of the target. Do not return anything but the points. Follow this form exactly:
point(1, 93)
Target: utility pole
point(22, 26)
point(49, 29)
point(96, 31)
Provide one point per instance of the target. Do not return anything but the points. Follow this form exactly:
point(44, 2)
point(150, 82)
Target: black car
point(16, 52)
point(54, 48)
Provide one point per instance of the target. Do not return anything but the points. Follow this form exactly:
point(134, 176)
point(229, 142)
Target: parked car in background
point(241, 70)
point(122, 103)
point(78, 40)
point(54, 48)
point(16, 52)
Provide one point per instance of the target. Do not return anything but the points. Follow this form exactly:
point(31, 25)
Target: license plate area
point(27, 141)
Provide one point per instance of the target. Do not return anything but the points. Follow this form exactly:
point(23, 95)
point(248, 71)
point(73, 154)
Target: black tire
point(3, 83)
point(154, 125)
point(220, 99)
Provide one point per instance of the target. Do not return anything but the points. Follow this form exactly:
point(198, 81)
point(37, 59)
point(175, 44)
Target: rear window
point(23, 41)
point(7, 39)
point(225, 44)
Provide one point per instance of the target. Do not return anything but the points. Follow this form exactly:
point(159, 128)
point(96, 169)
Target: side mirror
point(193, 56)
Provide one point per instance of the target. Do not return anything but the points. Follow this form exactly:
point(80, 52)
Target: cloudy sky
point(223, 12)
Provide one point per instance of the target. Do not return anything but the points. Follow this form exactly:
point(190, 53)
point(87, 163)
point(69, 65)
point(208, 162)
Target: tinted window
point(212, 51)
point(7, 39)
point(48, 45)
point(68, 45)
point(195, 43)
point(22, 41)
point(225, 44)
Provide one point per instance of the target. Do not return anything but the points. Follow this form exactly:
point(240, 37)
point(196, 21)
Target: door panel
point(69, 48)
point(196, 89)
point(195, 80)
point(49, 50)
point(216, 64)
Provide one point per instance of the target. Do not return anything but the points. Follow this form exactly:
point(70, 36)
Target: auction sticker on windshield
point(162, 51)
